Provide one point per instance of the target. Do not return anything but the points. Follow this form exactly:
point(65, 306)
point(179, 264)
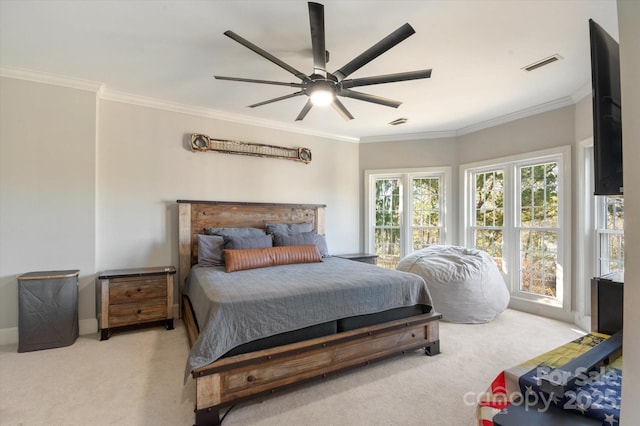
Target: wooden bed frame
point(238, 378)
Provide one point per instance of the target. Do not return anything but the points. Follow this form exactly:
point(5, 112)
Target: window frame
point(405, 176)
point(602, 251)
point(511, 262)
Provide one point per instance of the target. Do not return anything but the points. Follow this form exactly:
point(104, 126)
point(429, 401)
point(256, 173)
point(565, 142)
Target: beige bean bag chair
point(465, 284)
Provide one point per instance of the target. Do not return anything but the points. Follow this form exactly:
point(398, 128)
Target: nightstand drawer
point(133, 289)
point(134, 296)
point(134, 313)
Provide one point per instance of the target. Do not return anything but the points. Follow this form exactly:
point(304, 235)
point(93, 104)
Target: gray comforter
point(238, 307)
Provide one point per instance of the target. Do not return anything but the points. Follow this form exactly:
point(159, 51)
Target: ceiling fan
point(322, 87)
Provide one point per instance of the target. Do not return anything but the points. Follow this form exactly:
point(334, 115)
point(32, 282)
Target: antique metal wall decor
point(203, 143)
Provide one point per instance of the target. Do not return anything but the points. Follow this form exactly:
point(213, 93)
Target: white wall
point(145, 165)
point(93, 185)
point(47, 189)
point(564, 126)
point(629, 24)
point(547, 130)
point(410, 154)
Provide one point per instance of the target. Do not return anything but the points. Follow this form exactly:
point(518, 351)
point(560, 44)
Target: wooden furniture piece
point(360, 257)
point(129, 297)
point(228, 381)
point(607, 296)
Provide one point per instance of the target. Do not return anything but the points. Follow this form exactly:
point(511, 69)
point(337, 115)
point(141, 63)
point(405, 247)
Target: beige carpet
point(135, 378)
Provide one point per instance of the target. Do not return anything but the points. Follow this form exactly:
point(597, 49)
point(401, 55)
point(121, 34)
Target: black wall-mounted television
point(607, 114)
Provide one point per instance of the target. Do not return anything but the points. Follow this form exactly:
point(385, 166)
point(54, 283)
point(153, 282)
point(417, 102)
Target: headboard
point(195, 216)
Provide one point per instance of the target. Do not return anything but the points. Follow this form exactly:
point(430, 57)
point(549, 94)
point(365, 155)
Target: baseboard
point(541, 310)
point(176, 311)
point(88, 326)
point(9, 336)
point(582, 321)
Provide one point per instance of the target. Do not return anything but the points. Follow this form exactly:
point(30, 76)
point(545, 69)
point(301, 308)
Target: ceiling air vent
point(542, 62)
point(398, 121)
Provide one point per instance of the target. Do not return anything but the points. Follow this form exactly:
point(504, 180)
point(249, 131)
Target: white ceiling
point(169, 51)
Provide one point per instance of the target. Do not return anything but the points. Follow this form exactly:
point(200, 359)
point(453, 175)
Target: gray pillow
point(210, 250)
point(302, 239)
point(236, 243)
point(237, 232)
point(288, 228)
point(321, 243)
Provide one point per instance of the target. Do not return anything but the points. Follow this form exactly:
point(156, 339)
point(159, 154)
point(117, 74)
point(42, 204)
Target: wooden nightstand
point(127, 297)
point(360, 257)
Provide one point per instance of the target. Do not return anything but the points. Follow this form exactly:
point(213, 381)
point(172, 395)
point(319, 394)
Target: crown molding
point(103, 92)
point(48, 78)
point(517, 115)
point(584, 90)
point(409, 137)
point(129, 98)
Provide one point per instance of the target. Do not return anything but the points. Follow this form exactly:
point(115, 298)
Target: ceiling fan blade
point(342, 110)
point(388, 78)
point(374, 51)
point(251, 80)
point(316, 19)
point(281, 98)
point(369, 98)
point(246, 43)
point(305, 110)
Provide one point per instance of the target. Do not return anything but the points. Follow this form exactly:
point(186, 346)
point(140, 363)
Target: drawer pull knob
point(250, 378)
point(139, 311)
point(139, 289)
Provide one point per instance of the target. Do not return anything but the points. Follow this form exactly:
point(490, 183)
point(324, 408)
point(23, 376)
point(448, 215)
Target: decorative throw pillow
point(236, 243)
point(236, 232)
point(239, 260)
point(210, 250)
point(288, 228)
point(299, 239)
point(303, 238)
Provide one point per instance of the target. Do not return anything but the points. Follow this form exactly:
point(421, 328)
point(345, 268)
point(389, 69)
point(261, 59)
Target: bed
point(347, 326)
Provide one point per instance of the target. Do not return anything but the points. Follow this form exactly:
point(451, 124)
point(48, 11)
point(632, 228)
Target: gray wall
point(409, 154)
point(564, 126)
point(47, 188)
point(92, 184)
point(547, 130)
point(629, 24)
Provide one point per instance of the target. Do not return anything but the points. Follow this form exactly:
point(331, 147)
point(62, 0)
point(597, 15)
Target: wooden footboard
point(231, 380)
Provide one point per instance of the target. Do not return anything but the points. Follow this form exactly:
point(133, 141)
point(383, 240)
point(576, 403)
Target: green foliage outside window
point(489, 213)
point(387, 232)
point(426, 222)
point(538, 232)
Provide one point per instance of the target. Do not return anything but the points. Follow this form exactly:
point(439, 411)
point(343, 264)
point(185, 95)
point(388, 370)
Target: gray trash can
point(47, 309)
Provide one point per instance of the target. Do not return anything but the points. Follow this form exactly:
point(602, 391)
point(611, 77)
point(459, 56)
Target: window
point(515, 210)
point(405, 212)
point(538, 228)
point(604, 229)
point(610, 234)
point(488, 204)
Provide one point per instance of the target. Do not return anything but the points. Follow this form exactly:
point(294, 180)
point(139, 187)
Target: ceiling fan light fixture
point(321, 97)
point(322, 92)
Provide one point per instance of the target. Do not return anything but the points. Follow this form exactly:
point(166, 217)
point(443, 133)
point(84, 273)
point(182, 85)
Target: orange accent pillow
point(239, 260)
